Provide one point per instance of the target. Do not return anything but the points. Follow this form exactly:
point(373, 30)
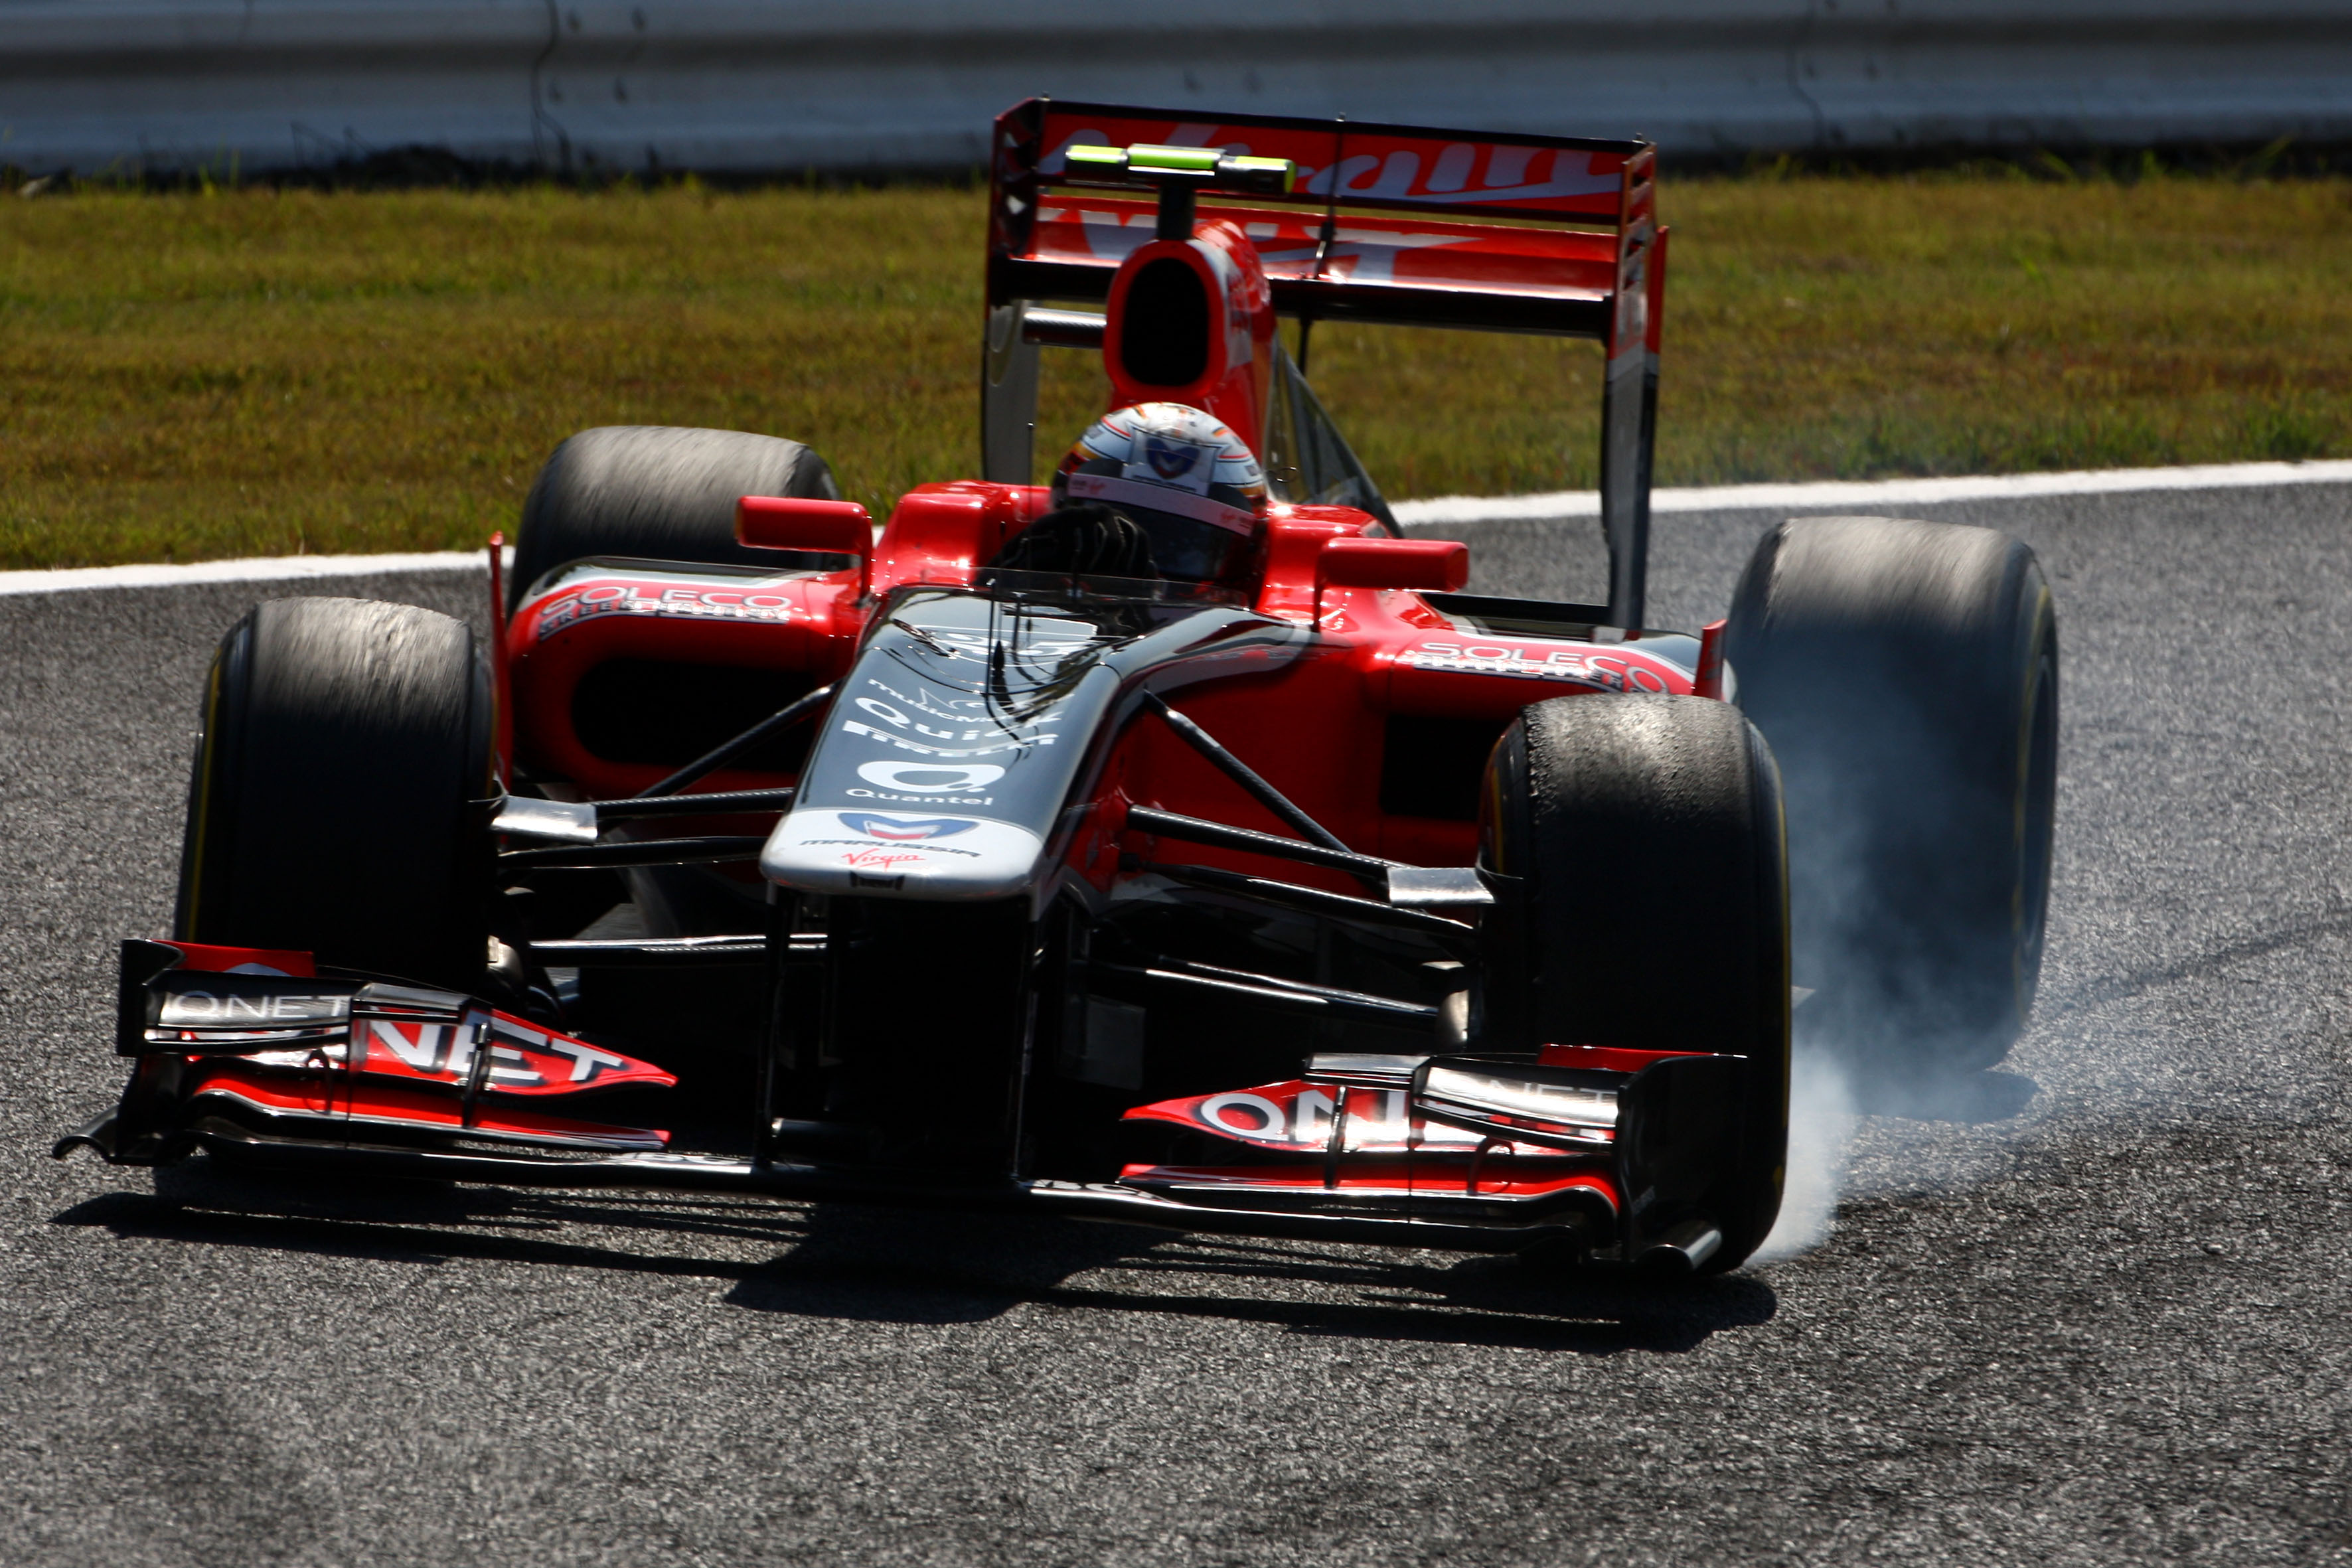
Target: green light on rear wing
point(1147, 165)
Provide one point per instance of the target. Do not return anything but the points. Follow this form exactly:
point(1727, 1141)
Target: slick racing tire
point(657, 493)
point(1906, 674)
point(1636, 844)
point(337, 803)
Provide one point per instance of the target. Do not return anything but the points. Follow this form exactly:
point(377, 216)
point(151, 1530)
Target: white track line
point(1884, 492)
point(271, 568)
point(1444, 510)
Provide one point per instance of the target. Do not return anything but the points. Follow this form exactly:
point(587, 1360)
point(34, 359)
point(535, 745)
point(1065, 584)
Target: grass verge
point(197, 375)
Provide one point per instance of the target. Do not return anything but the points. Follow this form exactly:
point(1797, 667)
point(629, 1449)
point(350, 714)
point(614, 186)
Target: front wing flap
point(1610, 1150)
point(1617, 1145)
point(260, 1038)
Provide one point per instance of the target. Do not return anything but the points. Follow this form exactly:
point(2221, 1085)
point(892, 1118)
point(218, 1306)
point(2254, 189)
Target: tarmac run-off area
point(2090, 1310)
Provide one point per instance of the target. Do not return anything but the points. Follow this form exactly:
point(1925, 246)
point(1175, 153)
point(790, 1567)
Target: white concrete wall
point(780, 85)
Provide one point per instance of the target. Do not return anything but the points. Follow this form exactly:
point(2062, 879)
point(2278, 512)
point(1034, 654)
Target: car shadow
point(850, 1262)
point(915, 1267)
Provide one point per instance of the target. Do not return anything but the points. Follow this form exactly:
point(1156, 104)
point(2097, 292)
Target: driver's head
point(1185, 479)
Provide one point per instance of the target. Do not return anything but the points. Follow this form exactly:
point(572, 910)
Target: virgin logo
point(925, 778)
point(1509, 174)
point(878, 859)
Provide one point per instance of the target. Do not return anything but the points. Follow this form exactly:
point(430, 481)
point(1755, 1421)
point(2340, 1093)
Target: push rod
point(1362, 1009)
point(1309, 900)
point(1241, 773)
point(728, 802)
point(1200, 830)
point(652, 952)
point(709, 762)
point(638, 852)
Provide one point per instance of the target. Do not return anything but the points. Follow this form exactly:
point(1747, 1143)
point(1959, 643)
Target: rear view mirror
point(789, 522)
point(1439, 565)
point(782, 522)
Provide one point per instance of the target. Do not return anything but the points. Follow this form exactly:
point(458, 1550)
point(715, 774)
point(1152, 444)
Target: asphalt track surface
point(2089, 1310)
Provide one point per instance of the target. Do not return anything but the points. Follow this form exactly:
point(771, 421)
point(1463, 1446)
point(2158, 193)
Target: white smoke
point(1821, 1126)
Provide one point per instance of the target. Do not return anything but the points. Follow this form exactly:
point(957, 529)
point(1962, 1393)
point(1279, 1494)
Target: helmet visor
point(1192, 537)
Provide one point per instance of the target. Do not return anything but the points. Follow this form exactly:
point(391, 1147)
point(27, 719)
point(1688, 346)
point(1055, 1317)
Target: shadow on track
point(902, 1266)
point(846, 1262)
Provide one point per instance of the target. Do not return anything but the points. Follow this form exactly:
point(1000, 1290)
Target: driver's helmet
point(1183, 476)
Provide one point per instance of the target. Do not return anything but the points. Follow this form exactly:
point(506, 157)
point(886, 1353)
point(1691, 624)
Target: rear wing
point(1400, 224)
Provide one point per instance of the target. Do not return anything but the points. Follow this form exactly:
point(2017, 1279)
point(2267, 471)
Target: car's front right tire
point(338, 803)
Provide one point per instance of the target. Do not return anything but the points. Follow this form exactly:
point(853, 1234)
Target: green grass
point(199, 376)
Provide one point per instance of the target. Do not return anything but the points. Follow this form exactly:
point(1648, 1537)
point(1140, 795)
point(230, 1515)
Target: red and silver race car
point(1171, 843)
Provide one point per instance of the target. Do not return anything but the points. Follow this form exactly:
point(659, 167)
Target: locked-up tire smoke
point(1906, 674)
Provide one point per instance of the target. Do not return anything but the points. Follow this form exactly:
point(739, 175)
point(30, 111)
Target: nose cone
point(934, 855)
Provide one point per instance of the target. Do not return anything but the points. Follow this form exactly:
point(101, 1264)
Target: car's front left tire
point(1636, 843)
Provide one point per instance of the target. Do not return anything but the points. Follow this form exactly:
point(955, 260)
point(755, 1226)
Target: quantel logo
point(926, 778)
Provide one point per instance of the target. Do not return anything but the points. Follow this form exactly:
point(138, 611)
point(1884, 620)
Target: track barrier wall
point(176, 85)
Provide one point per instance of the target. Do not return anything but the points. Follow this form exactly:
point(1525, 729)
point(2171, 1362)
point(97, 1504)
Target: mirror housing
point(1439, 565)
point(789, 522)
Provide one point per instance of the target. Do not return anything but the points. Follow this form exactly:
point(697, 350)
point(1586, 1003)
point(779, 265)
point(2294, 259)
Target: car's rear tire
point(1637, 843)
point(1906, 674)
point(334, 806)
point(657, 492)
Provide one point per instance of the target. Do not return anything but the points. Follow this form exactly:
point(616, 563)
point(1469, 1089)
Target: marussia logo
point(1171, 460)
point(904, 832)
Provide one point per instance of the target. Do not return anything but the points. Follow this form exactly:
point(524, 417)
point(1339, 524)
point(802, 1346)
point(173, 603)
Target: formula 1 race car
point(1173, 843)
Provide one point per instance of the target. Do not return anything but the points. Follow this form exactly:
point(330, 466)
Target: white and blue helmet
point(1182, 475)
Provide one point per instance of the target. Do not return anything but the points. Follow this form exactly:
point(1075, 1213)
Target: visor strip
point(1184, 503)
